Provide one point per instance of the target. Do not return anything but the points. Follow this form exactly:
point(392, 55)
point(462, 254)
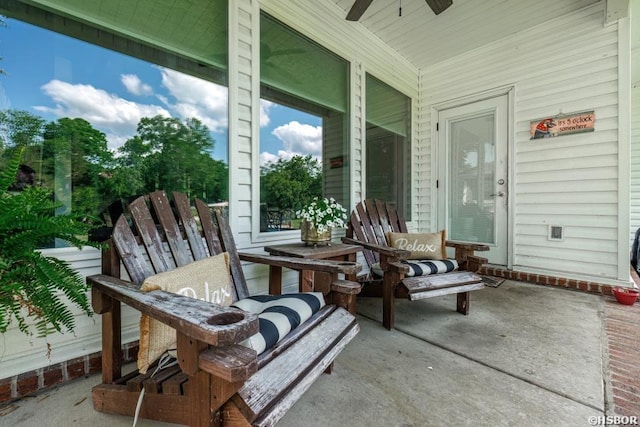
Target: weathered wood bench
point(368, 225)
point(217, 380)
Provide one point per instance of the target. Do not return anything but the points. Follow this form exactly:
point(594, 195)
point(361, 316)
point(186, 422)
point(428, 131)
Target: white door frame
point(509, 91)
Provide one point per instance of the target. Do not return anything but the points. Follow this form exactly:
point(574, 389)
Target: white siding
point(566, 65)
point(423, 168)
point(242, 84)
point(635, 160)
point(634, 155)
point(244, 115)
point(358, 130)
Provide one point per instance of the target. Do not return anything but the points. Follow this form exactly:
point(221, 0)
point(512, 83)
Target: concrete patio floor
point(526, 355)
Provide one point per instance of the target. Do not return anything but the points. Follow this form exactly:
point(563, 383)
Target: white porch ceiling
point(425, 39)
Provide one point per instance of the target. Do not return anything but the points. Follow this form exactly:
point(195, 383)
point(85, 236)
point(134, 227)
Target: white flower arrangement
point(324, 213)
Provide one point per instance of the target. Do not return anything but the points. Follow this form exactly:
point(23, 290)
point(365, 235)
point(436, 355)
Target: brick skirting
point(541, 279)
point(41, 379)
point(622, 324)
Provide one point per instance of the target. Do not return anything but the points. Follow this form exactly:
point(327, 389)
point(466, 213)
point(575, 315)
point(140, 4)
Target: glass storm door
point(472, 175)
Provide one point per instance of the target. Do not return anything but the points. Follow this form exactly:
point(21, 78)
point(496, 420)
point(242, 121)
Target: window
point(304, 125)
point(388, 167)
point(122, 108)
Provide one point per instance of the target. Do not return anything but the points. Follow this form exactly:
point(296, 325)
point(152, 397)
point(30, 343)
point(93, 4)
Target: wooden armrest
point(343, 294)
point(402, 268)
point(475, 263)
point(467, 246)
point(344, 267)
point(346, 287)
point(233, 363)
point(200, 320)
point(381, 249)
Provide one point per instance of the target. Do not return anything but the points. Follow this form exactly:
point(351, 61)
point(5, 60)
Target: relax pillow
point(207, 279)
point(421, 245)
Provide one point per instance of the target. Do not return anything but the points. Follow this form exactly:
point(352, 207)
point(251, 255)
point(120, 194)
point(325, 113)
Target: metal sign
point(564, 124)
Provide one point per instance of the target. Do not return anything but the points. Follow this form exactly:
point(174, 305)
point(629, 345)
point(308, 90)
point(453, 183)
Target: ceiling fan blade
point(358, 8)
point(439, 6)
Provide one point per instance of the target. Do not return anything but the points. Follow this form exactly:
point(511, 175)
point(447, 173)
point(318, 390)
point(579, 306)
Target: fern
point(8, 176)
point(37, 291)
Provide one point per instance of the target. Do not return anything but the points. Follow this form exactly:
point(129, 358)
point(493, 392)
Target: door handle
point(498, 194)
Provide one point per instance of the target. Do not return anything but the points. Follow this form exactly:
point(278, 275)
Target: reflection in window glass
point(388, 175)
point(304, 126)
point(294, 173)
point(100, 126)
point(471, 179)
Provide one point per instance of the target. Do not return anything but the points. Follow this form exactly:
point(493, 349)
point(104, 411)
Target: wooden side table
point(336, 252)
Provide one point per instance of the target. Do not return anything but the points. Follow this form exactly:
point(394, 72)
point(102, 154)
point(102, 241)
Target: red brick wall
point(41, 379)
point(622, 324)
point(541, 279)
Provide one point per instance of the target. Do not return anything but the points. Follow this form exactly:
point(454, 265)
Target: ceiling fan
point(360, 6)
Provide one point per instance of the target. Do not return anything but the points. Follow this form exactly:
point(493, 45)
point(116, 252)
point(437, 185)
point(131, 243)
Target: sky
point(55, 76)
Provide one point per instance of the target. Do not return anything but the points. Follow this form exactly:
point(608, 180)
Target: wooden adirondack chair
point(218, 381)
point(368, 225)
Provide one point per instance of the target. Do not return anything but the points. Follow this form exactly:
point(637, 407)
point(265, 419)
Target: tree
point(19, 128)
point(175, 156)
point(73, 147)
point(291, 184)
point(21, 131)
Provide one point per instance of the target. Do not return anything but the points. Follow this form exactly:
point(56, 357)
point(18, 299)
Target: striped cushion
point(278, 315)
point(423, 267)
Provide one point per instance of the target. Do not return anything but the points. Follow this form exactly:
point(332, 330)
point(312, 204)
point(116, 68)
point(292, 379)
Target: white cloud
point(266, 157)
point(300, 138)
point(117, 117)
point(134, 85)
point(265, 106)
point(185, 97)
point(115, 141)
point(193, 97)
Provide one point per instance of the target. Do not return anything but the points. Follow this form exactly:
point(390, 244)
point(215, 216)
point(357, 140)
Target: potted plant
point(36, 290)
point(318, 218)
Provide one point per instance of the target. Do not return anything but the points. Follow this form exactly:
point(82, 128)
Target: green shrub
point(36, 290)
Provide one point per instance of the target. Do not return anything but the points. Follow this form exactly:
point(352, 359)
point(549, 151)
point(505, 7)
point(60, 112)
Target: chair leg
point(388, 303)
point(463, 303)
point(200, 412)
point(231, 416)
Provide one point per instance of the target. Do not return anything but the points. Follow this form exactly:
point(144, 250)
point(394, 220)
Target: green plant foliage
point(36, 290)
point(291, 184)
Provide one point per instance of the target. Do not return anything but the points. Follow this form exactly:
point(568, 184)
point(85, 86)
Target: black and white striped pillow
point(278, 315)
point(423, 267)
point(430, 266)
